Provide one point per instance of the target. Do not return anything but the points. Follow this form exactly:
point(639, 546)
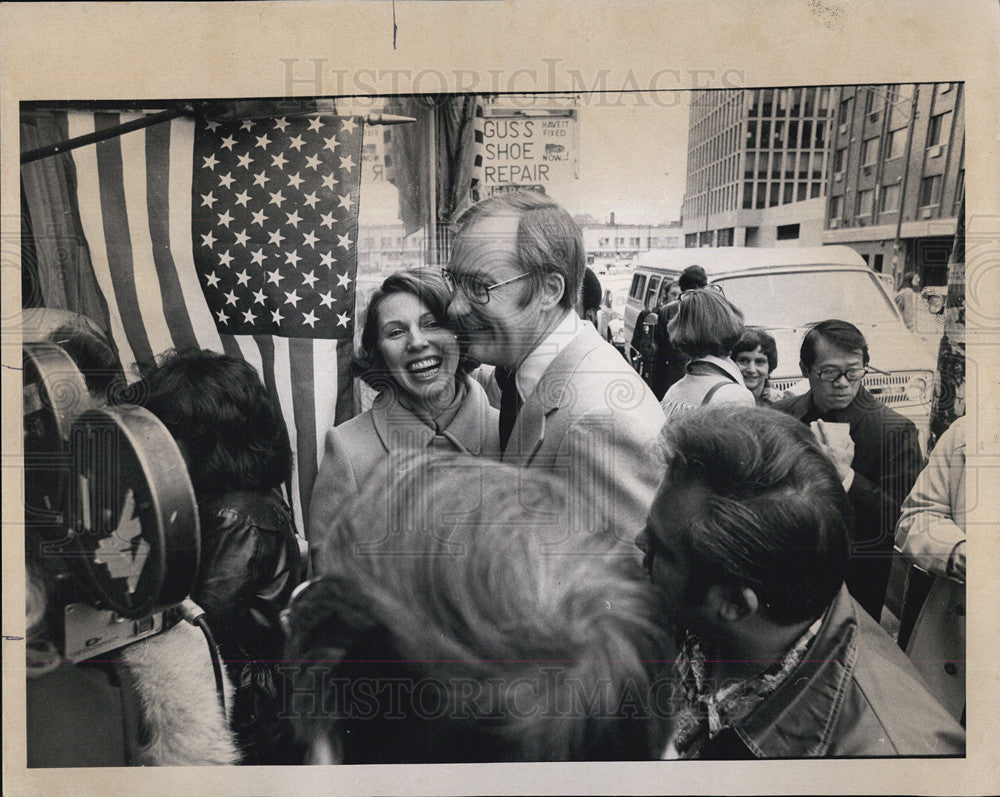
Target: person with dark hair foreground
point(746, 542)
point(877, 457)
point(756, 355)
point(445, 627)
point(238, 455)
point(426, 398)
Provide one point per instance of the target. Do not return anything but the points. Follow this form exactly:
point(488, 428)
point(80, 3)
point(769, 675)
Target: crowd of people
point(523, 552)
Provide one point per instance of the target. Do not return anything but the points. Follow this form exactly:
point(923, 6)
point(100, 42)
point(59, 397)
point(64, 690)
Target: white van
point(787, 290)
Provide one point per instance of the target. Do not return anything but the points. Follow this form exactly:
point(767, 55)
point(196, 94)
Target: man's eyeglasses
point(474, 288)
point(832, 374)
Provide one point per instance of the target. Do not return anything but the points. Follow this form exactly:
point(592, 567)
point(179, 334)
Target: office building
point(757, 167)
point(897, 176)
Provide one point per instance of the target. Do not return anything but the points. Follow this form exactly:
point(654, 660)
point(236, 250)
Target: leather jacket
point(249, 567)
point(854, 694)
point(245, 555)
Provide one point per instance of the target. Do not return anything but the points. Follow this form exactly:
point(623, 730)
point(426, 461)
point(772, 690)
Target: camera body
point(110, 512)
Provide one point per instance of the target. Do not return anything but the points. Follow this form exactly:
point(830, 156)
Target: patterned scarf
point(705, 712)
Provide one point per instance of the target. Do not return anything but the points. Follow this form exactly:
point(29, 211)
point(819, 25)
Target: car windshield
point(796, 299)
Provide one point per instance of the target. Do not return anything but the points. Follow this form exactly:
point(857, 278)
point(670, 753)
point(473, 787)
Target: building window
point(844, 112)
point(889, 200)
point(761, 199)
point(937, 127)
point(747, 196)
point(725, 237)
point(897, 143)
point(690, 241)
point(869, 99)
point(807, 102)
point(864, 202)
point(823, 103)
point(788, 232)
point(959, 192)
point(837, 207)
point(869, 151)
point(815, 190)
point(839, 157)
point(930, 190)
point(902, 104)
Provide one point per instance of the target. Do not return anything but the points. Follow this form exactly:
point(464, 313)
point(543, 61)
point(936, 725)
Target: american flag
point(236, 236)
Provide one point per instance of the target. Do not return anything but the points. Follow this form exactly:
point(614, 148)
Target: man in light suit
point(570, 404)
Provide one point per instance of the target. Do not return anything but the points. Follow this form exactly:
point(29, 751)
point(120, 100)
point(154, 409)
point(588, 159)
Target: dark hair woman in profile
point(238, 454)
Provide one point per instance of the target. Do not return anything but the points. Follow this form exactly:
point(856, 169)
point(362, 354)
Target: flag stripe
point(147, 280)
point(326, 378)
point(300, 357)
point(91, 222)
point(181, 164)
point(286, 389)
point(232, 349)
point(345, 394)
point(115, 228)
point(157, 157)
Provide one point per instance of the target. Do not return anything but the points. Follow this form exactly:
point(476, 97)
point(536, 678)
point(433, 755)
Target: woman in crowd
point(238, 455)
point(756, 355)
point(705, 328)
point(426, 399)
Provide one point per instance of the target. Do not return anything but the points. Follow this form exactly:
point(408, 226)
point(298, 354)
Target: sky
point(632, 161)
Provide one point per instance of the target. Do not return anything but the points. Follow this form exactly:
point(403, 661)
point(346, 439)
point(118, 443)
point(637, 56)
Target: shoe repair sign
point(530, 148)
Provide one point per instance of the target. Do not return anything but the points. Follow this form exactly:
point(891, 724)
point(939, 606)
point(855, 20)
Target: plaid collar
point(705, 712)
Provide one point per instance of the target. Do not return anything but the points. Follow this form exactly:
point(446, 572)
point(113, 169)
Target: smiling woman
point(426, 400)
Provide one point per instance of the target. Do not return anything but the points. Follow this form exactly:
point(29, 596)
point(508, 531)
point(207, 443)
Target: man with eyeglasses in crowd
point(877, 463)
point(569, 403)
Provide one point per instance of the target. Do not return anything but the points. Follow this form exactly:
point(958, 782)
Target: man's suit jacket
point(886, 463)
point(593, 421)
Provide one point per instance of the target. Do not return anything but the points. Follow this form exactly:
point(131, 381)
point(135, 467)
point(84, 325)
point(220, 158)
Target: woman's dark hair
point(218, 410)
point(432, 290)
point(754, 338)
point(705, 323)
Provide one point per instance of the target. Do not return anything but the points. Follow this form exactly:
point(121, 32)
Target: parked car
point(787, 290)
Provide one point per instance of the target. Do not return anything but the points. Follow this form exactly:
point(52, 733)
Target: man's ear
point(553, 287)
point(735, 603)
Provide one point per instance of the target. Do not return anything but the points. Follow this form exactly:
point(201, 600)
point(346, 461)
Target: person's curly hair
point(216, 407)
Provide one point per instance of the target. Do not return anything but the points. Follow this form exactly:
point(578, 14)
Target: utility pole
point(897, 244)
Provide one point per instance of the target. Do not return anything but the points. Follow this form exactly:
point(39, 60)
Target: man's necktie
point(510, 405)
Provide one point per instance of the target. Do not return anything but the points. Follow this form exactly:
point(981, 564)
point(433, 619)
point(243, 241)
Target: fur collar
point(183, 720)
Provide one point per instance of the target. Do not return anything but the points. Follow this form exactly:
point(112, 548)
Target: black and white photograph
point(603, 412)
